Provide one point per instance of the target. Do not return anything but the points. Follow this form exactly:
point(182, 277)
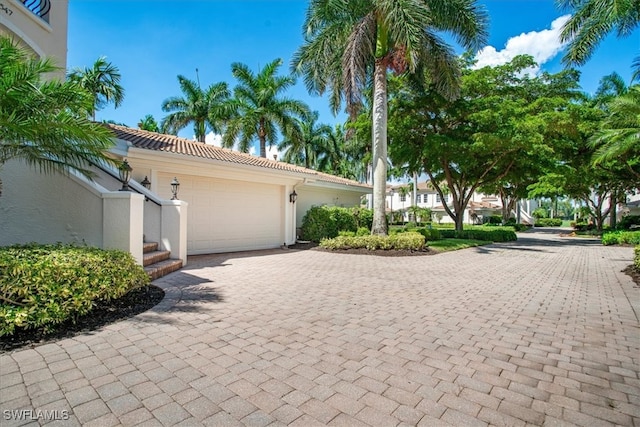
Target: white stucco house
point(226, 200)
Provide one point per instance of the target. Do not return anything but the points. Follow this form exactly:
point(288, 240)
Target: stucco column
point(122, 225)
point(173, 229)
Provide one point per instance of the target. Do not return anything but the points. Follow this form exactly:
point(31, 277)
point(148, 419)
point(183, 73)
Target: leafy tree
point(591, 21)
point(502, 118)
point(349, 42)
point(206, 109)
point(149, 123)
point(260, 110)
point(102, 80)
point(302, 147)
point(43, 122)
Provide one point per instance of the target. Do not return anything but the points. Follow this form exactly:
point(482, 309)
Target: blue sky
point(152, 41)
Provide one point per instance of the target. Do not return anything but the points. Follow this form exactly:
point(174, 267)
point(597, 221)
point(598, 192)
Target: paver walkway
point(538, 332)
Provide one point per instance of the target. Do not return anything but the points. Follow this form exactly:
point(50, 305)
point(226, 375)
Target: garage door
point(227, 216)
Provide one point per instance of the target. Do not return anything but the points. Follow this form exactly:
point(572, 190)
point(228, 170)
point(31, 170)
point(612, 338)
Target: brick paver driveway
point(538, 332)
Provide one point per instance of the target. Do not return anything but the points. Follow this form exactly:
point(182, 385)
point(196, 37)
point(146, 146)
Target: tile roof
point(173, 144)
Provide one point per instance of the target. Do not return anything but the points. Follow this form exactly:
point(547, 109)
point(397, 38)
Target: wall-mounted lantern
point(146, 183)
point(124, 170)
point(174, 188)
point(293, 197)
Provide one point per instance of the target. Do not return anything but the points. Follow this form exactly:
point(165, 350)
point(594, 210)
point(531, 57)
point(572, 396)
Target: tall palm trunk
point(379, 139)
point(262, 136)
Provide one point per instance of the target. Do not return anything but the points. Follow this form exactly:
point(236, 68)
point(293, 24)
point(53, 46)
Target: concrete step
point(149, 247)
point(162, 268)
point(155, 256)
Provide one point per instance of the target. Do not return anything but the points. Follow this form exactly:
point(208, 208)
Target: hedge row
point(407, 241)
point(321, 222)
point(43, 285)
point(621, 238)
point(484, 235)
point(548, 222)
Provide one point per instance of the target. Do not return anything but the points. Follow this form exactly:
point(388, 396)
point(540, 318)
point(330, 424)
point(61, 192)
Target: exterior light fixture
point(124, 170)
point(146, 183)
point(174, 188)
point(293, 196)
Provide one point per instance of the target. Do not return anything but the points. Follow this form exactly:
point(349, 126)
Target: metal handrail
point(114, 174)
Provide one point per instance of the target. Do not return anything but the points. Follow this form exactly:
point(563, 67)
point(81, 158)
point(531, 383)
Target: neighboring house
point(39, 25)
point(480, 207)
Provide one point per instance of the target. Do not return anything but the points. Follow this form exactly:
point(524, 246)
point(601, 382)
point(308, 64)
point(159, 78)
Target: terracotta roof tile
point(173, 144)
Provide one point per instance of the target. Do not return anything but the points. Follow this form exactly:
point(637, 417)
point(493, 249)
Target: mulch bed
point(635, 275)
point(132, 303)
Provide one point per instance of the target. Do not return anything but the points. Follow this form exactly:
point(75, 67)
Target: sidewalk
point(537, 332)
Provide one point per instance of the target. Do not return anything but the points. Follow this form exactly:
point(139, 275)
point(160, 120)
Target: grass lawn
point(445, 245)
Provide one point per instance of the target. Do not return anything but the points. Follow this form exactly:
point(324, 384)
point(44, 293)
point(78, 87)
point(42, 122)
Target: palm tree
point(149, 123)
point(102, 80)
point(204, 108)
point(45, 123)
point(349, 43)
point(260, 111)
point(302, 147)
point(619, 138)
point(591, 21)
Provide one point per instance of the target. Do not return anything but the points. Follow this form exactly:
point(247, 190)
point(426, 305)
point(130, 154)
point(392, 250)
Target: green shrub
point(628, 221)
point(321, 222)
point(407, 241)
point(539, 213)
point(363, 231)
point(498, 235)
point(430, 234)
point(636, 258)
point(549, 222)
point(520, 227)
point(43, 285)
point(621, 238)
point(493, 219)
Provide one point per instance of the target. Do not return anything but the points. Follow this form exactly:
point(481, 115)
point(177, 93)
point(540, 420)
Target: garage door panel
point(226, 215)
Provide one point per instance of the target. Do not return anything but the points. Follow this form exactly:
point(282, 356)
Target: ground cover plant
point(45, 285)
point(621, 238)
point(410, 241)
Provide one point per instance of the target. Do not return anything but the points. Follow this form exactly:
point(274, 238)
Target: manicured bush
point(636, 258)
point(539, 213)
point(493, 219)
point(430, 234)
point(43, 285)
point(321, 222)
point(499, 235)
point(621, 238)
point(401, 241)
point(549, 222)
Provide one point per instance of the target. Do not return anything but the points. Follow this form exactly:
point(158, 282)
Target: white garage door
point(227, 216)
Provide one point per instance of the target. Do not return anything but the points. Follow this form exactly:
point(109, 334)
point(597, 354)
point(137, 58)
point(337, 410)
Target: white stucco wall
point(309, 196)
point(43, 38)
point(47, 208)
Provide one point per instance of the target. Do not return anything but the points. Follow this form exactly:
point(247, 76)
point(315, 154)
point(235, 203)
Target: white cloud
point(213, 139)
point(542, 45)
